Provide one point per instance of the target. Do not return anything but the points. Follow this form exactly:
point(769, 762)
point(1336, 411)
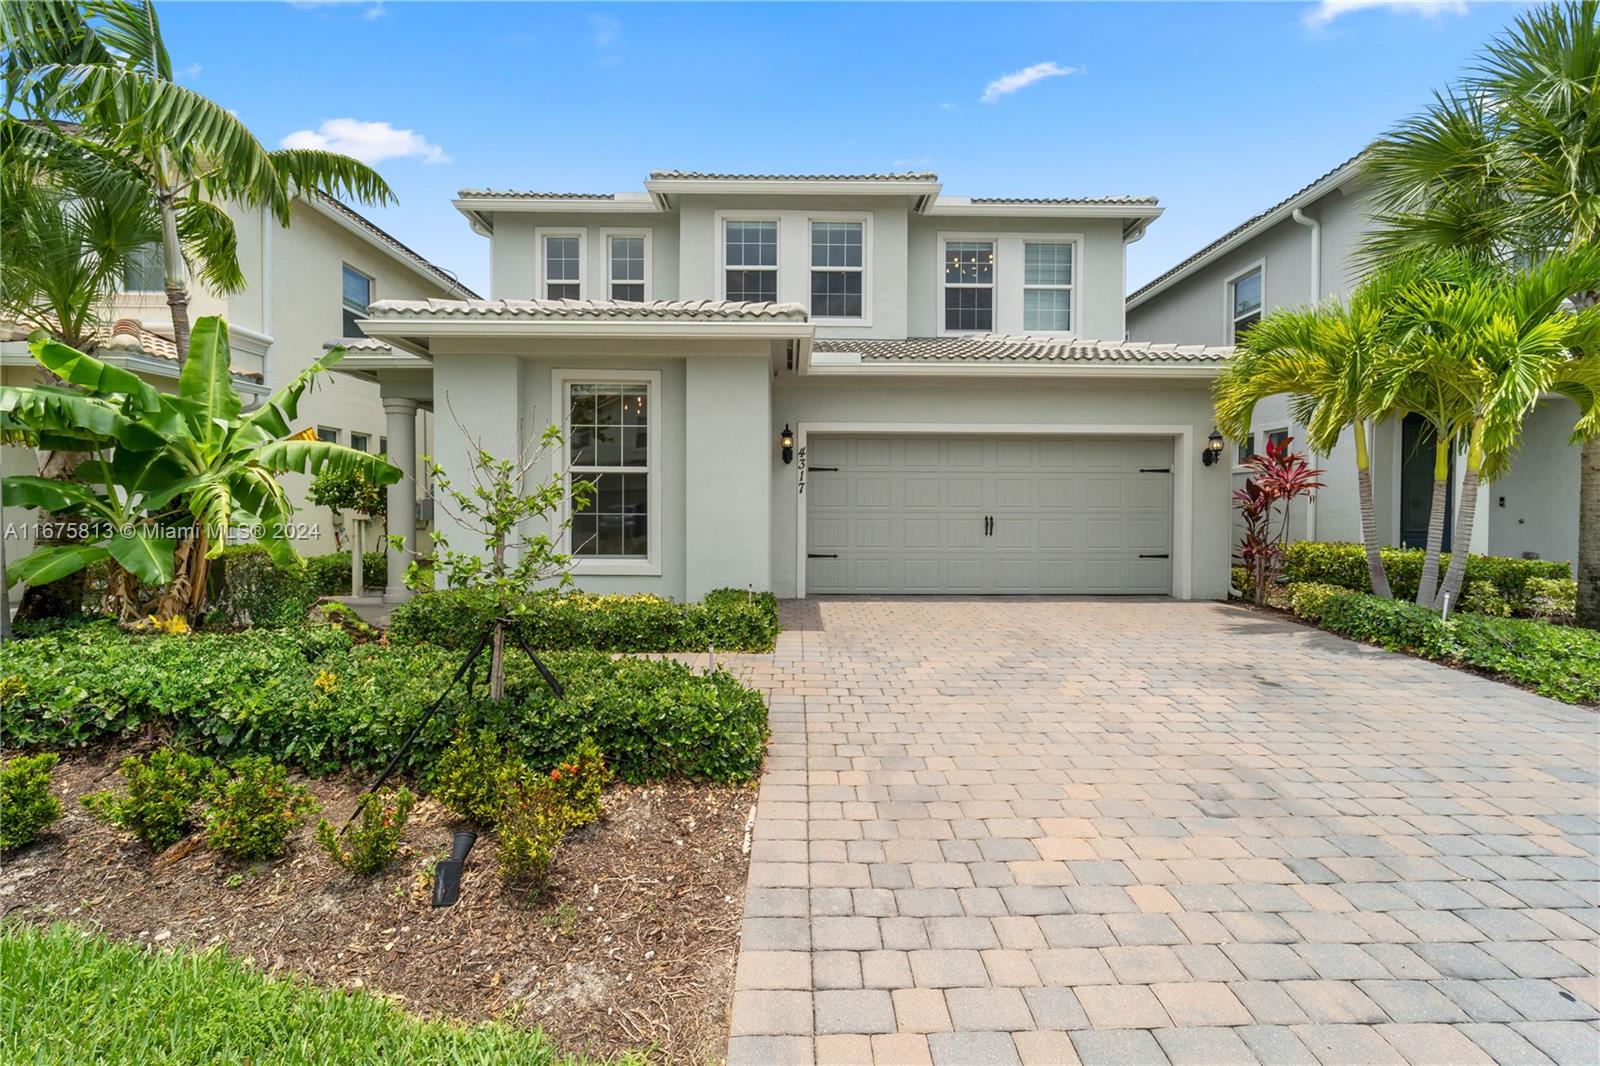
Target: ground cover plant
point(69, 996)
point(26, 804)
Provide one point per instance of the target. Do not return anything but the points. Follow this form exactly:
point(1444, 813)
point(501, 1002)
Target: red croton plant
point(1279, 478)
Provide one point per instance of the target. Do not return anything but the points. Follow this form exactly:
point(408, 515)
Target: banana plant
point(170, 475)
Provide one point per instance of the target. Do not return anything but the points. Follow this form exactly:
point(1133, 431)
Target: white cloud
point(190, 72)
point(607, 30)
point(1007, 84)
point(1327, 11)
point(374, 13)
point(370, 142)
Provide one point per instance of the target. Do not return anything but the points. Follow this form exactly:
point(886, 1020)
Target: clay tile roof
point(518, 194)
point(129, 336)
point(1051, 200)
point(1001, 349)
point(595, 310)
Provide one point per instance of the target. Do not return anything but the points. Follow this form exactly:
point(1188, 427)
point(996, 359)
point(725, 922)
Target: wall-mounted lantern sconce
point(1213, 449)
point(786, 442)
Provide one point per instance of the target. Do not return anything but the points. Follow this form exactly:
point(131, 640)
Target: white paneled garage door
point(942, 514)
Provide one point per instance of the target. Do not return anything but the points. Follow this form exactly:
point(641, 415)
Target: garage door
point(925, 514)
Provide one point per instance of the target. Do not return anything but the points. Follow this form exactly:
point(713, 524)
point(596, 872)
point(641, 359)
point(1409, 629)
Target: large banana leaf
point(315, 456)
point(51, 564)
point(70, 415)
point(147, 558)
point(49, 494)
point(205, 382)
point(90, 374)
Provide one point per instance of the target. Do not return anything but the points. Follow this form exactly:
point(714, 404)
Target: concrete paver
point(1052, 830)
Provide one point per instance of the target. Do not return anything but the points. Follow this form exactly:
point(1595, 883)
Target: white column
point(401, 417)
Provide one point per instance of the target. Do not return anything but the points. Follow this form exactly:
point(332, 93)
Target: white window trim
point(372, 291)
point(1238, 464)
point(794, 257)
point(651, 379)
point(338, 434)
point(1009, 257)
point(605, 246)
point(542, 264)
point(1228, 317)
point(366, 447)
point(1070, 288)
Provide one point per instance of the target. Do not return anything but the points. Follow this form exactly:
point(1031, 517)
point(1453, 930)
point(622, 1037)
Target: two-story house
point(1303, 250)
point(827, 384)
point(303, 284)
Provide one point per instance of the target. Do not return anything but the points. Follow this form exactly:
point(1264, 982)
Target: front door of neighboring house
point(1416, 484)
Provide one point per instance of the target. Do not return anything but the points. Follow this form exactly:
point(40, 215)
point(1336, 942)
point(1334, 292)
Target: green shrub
point(246, 587)
point(315, 699)
point(1345, 565)
point(26, 805)
point(163, 788)
point(475, 775)
point(1239, 577)
point(251, 811)
point(329, 575)
point(532, 825)
point(1480, 597)
point(1557, 661)
point(727, 619)
point(1551, 599)
point(580, 779)
point(373, 839)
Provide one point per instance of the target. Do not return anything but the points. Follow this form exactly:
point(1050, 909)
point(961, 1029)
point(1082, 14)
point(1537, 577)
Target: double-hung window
point(1244, 303)
point(356, 296)
point(750, 261)
point(608, 446)
point(1047, 287)
point(145, 271)
point(563, 266)
point(969, 286)
point(836, 269)
point(626, 256)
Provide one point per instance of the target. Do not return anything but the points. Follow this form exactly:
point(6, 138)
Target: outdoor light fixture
point(1213, 449)
point(786, 442)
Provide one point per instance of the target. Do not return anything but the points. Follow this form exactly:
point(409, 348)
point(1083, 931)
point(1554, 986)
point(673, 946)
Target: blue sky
point(1218, 109)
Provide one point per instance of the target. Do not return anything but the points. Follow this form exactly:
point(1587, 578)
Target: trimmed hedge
point(727, 619)
point(1345, 565)
point(313, 698)
point(246, 587)
point(1556, 661)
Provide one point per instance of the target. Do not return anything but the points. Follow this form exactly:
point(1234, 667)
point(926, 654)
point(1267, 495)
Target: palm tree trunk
point(1428, 584)
point(1589, 535)
point(174, 273)
point(1369, 518)
point(1466, 512)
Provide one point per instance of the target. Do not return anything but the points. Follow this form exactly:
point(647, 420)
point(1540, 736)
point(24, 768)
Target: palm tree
point(1324, 358)
point(96, 80)
point(1505, 168)
point(1490, 347)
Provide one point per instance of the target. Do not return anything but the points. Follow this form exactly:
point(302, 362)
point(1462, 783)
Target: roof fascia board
point(470, 205)
point(1137, 211)
point(1334, 182)
point(371, 240)
point(393, 330)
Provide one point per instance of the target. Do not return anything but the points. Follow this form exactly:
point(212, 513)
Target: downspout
point(1316, 297)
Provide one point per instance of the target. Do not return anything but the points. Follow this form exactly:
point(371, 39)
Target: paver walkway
point(1148, 831)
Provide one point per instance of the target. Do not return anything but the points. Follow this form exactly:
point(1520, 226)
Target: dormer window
point(969, 286)
point(750, 251)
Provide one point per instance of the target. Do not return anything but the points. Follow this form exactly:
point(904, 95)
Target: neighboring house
point(963, 413)
point(303, 285)
point(1303, 250)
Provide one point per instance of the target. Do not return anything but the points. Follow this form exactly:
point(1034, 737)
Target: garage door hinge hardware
point(819, 555)
point(1155, 470)
point(1155, 556)
point(828, 469)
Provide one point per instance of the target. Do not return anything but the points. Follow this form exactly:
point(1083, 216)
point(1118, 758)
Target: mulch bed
point(631, 947)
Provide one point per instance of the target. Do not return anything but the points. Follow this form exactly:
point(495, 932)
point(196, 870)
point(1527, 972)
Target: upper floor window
point(750, 250)
point(563, 267)
point(836, 269)
point(357, 297)
point(1244, 303)
point(969, 286)
point(1047, 287)
point(626, 254)
point(145, 271)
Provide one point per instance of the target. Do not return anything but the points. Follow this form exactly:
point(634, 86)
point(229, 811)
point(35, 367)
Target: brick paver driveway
point(1125, 831)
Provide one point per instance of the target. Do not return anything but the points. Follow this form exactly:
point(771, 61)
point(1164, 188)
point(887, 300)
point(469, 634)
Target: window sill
point(596, 567)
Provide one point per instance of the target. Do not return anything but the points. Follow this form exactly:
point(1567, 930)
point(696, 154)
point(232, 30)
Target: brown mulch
point(632, 946)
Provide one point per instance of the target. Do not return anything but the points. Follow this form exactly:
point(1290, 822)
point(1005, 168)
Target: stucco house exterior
point(1302, 250)
point(303, 284)
point(963, 413)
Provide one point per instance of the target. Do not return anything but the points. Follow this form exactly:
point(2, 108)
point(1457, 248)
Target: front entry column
point(401, 417)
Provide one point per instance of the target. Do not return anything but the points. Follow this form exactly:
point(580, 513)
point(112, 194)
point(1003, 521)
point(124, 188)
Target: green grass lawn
point(66, 997)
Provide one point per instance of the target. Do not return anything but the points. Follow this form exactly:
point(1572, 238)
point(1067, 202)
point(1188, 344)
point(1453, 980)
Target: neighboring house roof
point(129, 336)
point(699, 175)
point(1247, 229)
point(508, 194)
point(385, 239)
point(1048, 200)
point(596, 310)
point(999, 349)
